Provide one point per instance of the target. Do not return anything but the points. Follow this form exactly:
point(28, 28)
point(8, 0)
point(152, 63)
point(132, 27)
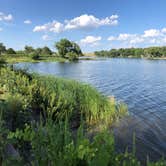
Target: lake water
point(141, 84)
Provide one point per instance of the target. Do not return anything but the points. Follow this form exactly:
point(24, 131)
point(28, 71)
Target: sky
point(93, 24)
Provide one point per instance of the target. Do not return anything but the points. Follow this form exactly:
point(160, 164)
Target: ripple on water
point(139, 83)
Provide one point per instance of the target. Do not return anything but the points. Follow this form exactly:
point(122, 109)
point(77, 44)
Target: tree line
point(150, 52)
point(66, 49)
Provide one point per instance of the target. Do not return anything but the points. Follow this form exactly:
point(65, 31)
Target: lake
point(140, 83)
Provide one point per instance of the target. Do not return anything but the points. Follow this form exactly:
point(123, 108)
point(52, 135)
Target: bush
point(2, 62)
point(72, 56)
point(35, 56)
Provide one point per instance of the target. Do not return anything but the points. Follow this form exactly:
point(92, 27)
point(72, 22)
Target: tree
point(10, 51)
point(39, 51)
point(2, 48)
point(65, 46)
point(2, 62)
point(29, 49)
point(72, 56)
point(46, 51)
point(35, 55)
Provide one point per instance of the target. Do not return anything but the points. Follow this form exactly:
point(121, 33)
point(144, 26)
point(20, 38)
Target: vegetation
point(68, 49)
point(51, 121)
point(35, 55)
point(151, 52)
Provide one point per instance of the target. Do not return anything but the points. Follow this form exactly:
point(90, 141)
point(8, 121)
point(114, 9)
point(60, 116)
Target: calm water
point(139, 83)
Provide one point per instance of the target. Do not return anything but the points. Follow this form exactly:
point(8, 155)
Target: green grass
point(60, 97)
point(48, 120)
point(24, 58)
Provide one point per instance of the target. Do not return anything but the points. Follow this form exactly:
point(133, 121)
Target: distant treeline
point(66, 49)
point(151, 52)
point(27, 50)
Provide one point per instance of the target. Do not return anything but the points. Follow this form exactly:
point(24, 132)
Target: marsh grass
point(47, 121)
point(16, 58)
point(61, 98)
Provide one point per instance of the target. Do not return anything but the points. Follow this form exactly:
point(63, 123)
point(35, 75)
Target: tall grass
point(60, 98)
point(46, 120)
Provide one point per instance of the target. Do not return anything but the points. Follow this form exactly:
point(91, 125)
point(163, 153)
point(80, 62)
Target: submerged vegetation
point(151, 52)
point(51, 121)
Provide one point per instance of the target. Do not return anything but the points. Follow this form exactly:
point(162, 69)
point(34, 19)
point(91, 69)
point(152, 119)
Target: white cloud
point(122, 37)
point(90, 40)
point(125, 36)
point(82, 22)
point(54, 26)
point(136, 40)
point(151, 33)
point(27, 22)
point(1, 29)
point(112, 38)
point(147, 38)
point(4, 17)
point(89, 21)
point(163, 30)
point(46, 37)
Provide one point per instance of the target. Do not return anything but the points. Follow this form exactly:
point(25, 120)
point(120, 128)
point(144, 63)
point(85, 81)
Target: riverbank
point(57, 117)
point(17, 58)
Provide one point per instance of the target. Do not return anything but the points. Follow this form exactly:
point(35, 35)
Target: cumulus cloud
point(151, 33)
point(111, 38)
point(89, 21)
point(90, 40)
point(53, 26)
point(5, 17)
point(148, 37)
point(27, 22)
point(46, 37)
point(82, 22)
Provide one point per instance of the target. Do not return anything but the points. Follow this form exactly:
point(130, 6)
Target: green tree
point(72, 56)
point(35, 55)
point(29, 49)
point(10, 51)
point(39, 51)
point(65, 46)
point(46, 51)
point(2, 48)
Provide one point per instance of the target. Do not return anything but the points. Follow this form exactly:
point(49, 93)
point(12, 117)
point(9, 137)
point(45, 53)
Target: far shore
point(87, 56)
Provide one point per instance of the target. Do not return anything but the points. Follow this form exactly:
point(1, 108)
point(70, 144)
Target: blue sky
point(94, 24)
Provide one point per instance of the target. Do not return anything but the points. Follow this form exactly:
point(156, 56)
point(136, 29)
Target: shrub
point(2, 62)
point(35, 56)
point(72, 56)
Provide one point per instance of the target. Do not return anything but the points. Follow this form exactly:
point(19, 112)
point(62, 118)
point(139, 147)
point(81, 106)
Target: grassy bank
point(24, 58)
point(50, 121)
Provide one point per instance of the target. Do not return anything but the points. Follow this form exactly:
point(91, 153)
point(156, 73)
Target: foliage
point(29, 49)
point(10, 51)
point(151, 52)
point(35, 55)
point(72, 56)
point(2, 62)
point(2, 48)
point(65, 46)
point(46, 51)
point(47, 121)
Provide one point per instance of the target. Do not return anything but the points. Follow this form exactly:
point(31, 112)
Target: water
point(141, 84)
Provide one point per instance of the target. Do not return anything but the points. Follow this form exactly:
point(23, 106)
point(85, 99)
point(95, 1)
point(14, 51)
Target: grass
point(60, 97)
point(47, 120)
point(24, 58)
